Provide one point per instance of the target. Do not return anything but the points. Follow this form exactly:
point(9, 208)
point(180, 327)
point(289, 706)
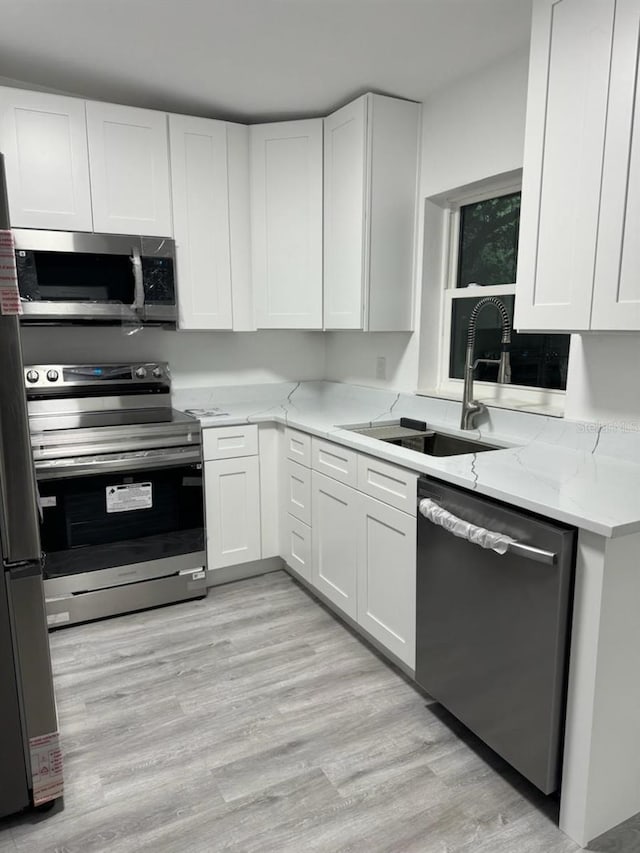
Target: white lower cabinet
point(386, 576)
point(233, 511)
point(334, 546)
point(297, 546)
point(356, 546)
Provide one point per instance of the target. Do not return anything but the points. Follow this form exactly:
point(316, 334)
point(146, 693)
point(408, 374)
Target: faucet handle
point(470, 412)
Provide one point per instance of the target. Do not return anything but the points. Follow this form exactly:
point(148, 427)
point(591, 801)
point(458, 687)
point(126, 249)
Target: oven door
point(103, 527)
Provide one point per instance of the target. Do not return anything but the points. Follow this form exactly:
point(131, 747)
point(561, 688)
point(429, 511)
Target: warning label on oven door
point(130, 496)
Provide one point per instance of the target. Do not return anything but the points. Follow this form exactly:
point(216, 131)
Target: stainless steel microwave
point(66, 277)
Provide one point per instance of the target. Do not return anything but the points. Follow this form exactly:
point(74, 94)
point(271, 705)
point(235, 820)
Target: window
point(483, 260)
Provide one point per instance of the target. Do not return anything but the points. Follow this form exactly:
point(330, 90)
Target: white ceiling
point(254, 59)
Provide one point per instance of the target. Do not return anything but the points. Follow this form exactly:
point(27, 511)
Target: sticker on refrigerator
point(46, 768)
point(9, 293)
point(129, 497)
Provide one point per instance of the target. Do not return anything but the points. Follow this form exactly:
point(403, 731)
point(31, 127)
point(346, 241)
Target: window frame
point(509, 396)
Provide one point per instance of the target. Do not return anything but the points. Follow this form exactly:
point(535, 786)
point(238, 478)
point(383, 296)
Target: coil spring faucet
point(472, 408)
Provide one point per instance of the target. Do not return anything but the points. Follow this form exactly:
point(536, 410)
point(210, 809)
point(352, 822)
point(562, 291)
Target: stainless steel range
point(120, 480)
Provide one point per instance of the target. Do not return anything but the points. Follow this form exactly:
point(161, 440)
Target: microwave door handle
point(138, 283)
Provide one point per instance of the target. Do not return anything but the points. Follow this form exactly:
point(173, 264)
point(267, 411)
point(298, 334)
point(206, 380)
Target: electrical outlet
point(381, 367)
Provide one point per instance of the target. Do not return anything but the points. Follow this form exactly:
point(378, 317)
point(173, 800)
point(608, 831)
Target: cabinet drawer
point(298, 446)
point(297, 546)
point(297, 491)
point(335, 461)
point(230, 442)
point(388, 483)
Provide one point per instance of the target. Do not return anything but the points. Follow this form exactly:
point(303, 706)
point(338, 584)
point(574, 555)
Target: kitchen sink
point(430, 442)
point(440, 444)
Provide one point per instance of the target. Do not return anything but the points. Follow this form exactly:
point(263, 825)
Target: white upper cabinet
point(616, 294)
point(44, 141)
point(345, 142)
point(286, 224)
point(569, 72)
point(199, 180)
point(129, 161)
point(370, 188)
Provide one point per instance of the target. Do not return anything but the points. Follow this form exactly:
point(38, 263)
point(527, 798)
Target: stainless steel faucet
point(472, 408)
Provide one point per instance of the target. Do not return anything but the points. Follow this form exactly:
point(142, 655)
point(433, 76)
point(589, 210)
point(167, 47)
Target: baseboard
point(351, 623)
point(227, 574)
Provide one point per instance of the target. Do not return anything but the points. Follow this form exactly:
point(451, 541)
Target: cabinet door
point(44, 141)
point(387, 577)
point(334, 511)
point(286, 223)
point(200, 195)
point(240, 226)
point(345, 180)
point(394, 127)
point(616, 295)
point(233, 511)
point(129, 160)
point(571, 45)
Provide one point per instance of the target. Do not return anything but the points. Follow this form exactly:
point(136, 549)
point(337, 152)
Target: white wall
point(196, 358)
point(475, 128)
point(471, 130)
point(602, 383)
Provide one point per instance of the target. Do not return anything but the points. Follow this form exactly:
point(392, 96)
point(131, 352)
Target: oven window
point(107, 520)
point(75, 277)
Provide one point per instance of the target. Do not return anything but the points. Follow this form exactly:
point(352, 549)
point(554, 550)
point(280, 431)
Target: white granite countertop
point(583, 474)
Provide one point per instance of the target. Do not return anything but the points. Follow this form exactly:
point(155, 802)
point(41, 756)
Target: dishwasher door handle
point(500, 543)
point(538, 554)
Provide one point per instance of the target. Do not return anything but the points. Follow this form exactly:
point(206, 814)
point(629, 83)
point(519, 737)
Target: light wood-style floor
point(255, 721)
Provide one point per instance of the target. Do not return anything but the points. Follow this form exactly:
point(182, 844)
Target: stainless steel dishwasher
point(493, 628)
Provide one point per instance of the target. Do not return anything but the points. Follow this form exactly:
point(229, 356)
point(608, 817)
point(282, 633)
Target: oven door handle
point(52, 469)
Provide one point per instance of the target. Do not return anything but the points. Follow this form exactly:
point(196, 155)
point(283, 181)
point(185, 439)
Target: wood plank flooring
point(255, 721)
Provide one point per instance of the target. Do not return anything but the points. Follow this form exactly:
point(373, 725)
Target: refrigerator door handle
point(19, 518)
point(19, 521)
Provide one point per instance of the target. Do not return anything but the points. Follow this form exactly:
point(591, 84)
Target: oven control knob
point(52, 375)
point(157, 372)
point(32, 376)
point(141, 372)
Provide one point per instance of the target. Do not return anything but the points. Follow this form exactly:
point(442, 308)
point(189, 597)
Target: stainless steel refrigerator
point(31, 760)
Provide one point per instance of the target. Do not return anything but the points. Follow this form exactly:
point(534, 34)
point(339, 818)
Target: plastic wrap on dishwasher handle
point(497, 542)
